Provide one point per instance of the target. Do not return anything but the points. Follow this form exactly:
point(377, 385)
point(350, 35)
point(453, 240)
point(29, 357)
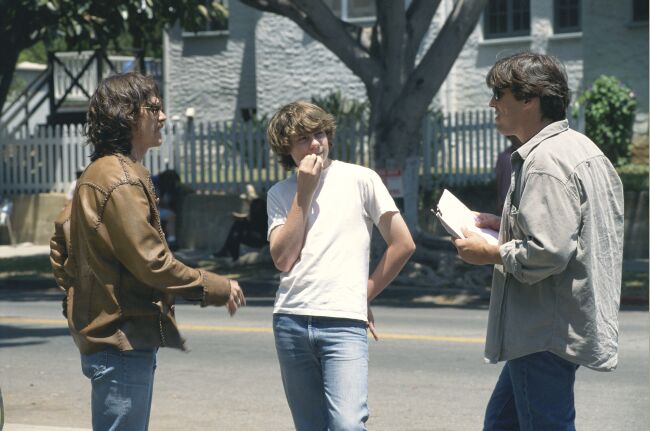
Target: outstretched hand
point(237, 298)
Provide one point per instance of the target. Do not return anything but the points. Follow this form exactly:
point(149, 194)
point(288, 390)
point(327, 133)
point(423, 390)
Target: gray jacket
point(561, 242)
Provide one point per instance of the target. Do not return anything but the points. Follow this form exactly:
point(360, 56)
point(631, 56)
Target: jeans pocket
point(95, 366)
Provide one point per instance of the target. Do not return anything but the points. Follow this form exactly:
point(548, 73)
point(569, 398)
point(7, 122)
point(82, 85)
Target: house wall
point(265, 61)
point(613, 45)
point(271, 56)
point(466, 82)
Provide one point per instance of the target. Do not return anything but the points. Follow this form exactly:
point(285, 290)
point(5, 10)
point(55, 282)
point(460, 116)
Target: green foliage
point(634, 177)
point(609, 108)
point(341, 107)
point(17, 86)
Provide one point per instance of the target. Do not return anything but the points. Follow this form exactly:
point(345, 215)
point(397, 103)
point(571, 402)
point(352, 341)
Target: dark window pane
point(640, 12)
point(361, 8)
point(567, 15)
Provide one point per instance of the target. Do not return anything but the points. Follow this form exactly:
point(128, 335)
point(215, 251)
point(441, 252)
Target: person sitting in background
point(504, 170)
point(249, 230)
point(168, 188)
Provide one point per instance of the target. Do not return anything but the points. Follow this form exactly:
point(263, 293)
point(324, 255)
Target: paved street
point(426, 373)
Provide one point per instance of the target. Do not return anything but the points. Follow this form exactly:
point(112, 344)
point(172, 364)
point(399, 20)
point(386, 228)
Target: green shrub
point(341, 107)
point(609, 116)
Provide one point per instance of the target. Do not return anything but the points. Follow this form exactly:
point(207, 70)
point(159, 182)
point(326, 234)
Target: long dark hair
point(114, 110)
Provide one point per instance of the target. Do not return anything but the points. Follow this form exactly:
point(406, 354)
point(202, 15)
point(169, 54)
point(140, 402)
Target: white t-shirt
point(330, 278)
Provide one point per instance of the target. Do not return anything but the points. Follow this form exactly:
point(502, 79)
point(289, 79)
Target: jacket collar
point(138, 167)
point(547, 132)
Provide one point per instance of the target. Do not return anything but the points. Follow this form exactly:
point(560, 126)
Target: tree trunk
point(7, 73)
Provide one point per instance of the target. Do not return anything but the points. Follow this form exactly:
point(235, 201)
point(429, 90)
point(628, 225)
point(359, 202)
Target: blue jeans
point(122, 386)
point(324, 365)
point(534, 392)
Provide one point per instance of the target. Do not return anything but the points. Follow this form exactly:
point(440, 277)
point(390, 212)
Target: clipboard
point(454, 216)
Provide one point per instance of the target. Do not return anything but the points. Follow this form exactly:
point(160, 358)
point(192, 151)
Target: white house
point(262, 60)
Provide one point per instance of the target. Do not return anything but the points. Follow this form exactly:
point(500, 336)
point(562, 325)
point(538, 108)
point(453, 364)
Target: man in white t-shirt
point(320, 225)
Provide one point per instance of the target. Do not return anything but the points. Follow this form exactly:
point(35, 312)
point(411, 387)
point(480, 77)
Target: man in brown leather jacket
point(110, 256)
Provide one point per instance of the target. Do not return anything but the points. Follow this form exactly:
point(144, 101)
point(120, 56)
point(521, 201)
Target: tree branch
point(318, 21)
point(423, 83)
point(418, 20)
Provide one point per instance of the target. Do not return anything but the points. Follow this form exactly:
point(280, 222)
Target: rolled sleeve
point(546, 227)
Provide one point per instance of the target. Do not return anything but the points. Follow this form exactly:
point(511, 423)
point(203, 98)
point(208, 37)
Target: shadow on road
point(17, 335)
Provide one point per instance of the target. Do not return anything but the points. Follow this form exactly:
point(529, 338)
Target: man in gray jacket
point(557, 274)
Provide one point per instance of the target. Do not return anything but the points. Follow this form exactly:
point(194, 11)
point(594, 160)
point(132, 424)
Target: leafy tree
point(90, 24)
point(399, 82)
point(609, 116)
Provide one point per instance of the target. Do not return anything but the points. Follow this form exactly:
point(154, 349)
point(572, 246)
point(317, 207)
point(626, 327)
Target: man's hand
point(475, 249)
point(487, 220)
point(236, 299)
point(371, 324)
point(309, 172)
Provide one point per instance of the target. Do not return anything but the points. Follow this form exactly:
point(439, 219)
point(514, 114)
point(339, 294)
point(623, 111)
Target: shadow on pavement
point(17, 335)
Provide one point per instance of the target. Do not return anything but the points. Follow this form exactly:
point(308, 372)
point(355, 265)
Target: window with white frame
point(567, 16)
point(354, 11)
point(506, 18)
point(640, 11)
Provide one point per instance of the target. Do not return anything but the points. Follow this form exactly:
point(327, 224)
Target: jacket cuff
point(216, 289)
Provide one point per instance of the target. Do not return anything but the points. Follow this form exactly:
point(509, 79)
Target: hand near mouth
point(309, 172)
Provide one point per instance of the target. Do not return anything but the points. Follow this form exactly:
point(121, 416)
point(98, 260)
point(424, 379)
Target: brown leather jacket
point(109, 254)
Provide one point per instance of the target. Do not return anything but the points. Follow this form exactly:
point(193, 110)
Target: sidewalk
point(22, 427)
point(259, 278)
point(22, 250)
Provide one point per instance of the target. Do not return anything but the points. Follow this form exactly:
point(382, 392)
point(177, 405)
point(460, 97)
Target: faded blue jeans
point(533, 393)
point(324, 365)
point(122, 387)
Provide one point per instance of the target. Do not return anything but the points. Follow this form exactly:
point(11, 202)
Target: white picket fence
point(225, 156)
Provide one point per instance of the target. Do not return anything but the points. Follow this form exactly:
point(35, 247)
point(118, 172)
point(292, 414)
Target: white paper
point(455, 216)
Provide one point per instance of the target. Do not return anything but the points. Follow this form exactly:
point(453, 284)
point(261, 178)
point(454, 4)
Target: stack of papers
point(454, 216)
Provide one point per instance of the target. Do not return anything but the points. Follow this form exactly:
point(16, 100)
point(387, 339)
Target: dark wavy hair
point(114, 110)
point(531, 75)
point(295, 119)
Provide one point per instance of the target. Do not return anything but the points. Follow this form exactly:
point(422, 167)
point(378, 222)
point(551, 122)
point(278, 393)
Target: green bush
point(341, 107)
point(609, 116)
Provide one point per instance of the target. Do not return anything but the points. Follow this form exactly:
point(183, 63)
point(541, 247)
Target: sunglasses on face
point(155, 109)
point(497, 93)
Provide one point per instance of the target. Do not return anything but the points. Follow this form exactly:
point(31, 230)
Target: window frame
point(556, 18)
point(344, 13)
point(509, 33)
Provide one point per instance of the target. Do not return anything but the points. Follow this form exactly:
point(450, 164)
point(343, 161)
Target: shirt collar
point(547, 132)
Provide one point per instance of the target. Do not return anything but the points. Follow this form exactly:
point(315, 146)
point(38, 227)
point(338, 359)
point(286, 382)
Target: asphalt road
point(426, 373)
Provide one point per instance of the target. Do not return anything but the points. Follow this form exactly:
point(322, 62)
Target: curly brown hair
point(296, 119)
point(531, 75)
point(114, 110)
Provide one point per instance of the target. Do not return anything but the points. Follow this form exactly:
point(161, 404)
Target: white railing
point(224, 156)
point(75, 62)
